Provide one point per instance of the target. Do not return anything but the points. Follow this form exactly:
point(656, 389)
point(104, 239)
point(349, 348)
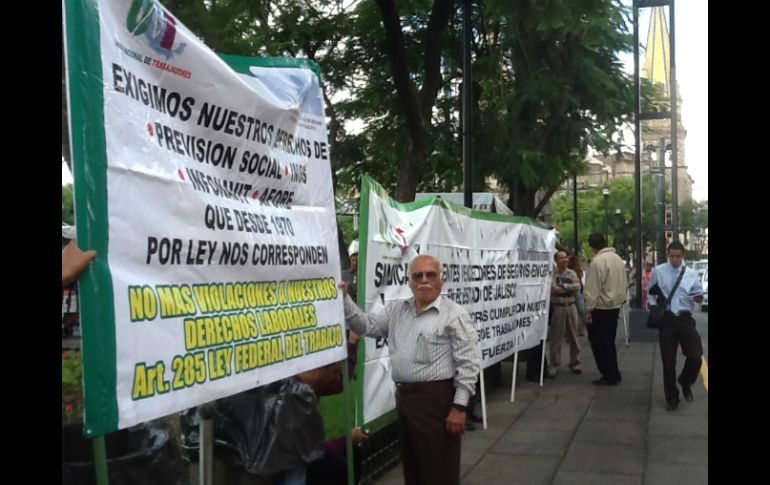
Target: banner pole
point(206, 443)
point(625, 322)
point(483, 399)
point(513, 373)
point(100, 461)
point(542, 357)
point(206, 455)
point(349, 462)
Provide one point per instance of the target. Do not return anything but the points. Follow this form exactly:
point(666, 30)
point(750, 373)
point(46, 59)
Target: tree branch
point(544, 200)
point(434, 40)
point(405, 91)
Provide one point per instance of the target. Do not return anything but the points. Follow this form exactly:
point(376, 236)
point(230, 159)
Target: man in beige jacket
point(605, 292)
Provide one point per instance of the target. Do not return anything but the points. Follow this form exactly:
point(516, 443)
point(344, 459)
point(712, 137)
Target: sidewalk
point(572, 432)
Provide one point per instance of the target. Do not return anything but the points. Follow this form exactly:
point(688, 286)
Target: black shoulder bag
point(657, 311)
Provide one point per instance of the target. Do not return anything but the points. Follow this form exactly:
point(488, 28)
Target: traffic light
point(669, 235)
point(667, 220)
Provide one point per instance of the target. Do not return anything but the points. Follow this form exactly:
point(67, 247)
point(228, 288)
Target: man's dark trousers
point(601, 334)
point(679, 330)
point(430, 456)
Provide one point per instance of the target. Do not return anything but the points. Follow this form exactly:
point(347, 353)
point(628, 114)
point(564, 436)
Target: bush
point(71, 386)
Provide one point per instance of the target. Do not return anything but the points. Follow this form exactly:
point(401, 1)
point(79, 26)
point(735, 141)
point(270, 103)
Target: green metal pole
point(348, 438)
point(100, 461)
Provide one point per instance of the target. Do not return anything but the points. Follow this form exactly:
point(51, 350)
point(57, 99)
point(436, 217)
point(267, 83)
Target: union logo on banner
point(159, 28)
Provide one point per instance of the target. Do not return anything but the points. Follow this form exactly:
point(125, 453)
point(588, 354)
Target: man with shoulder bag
point(677, 325)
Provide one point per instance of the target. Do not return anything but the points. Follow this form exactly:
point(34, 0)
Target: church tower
point(656, 69)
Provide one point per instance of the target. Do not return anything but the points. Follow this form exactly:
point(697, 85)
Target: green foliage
point(67, 205)
point(548, 84)
point(71, 386)
point(693, 215)
point(348, 233)
point(653, 97)
point(554, 87)
point(621, 228)
point(693, 222)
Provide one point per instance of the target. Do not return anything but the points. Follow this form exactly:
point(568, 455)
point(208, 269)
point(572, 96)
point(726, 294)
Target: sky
point(691, 58)
point(66, 176)
point(691, 44)
point(691, 37)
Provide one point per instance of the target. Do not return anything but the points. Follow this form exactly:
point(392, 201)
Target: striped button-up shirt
point(437, 343)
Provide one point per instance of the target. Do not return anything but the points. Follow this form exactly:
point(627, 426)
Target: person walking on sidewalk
point(580, 300)
point(677, 327)
point(646, 276)
point(564, 285)
point(605, 292)
point(435, 356)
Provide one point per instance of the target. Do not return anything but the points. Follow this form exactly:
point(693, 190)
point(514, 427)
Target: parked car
point(699, 266)
point(704, 306)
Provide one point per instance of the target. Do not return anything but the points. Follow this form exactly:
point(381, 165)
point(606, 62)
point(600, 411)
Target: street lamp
point(606, 195)
point(575, 214)
point(619, 232)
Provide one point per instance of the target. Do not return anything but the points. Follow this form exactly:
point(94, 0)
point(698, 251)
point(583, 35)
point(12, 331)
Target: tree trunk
point(521, 200)
point(415, 106)
point(409, 169)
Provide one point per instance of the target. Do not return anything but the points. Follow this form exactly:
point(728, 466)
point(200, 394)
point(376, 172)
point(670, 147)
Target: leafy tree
point(621, 227)
point(67, 205)
point(547, 84)
point(693, 215)
point(346, 225)
point(554, 87)
point(416, 90)
point(653, 97)
point(693, 221)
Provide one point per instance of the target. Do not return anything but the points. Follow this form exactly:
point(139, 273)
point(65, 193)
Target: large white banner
point(497, 267)
point(206, 190)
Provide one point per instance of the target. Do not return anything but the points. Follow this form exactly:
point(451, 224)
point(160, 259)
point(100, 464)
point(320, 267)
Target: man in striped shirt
point(435, 362)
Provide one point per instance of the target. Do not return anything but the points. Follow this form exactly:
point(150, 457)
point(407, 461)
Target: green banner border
point(363, 248)
point(89, 163)
point(369, 184)
point(241, 64)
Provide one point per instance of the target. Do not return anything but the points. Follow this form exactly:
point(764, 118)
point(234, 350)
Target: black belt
point(416, 386)
point(683, 313)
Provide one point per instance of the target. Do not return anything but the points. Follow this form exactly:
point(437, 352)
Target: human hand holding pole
point(344, 287)
point(74, 261)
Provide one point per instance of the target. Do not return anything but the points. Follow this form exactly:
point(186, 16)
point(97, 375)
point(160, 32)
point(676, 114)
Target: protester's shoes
point(672, 405)
point(576, 370)
point(687, 393)
point(475, 419)
point(605, 382)
point(469, 426)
